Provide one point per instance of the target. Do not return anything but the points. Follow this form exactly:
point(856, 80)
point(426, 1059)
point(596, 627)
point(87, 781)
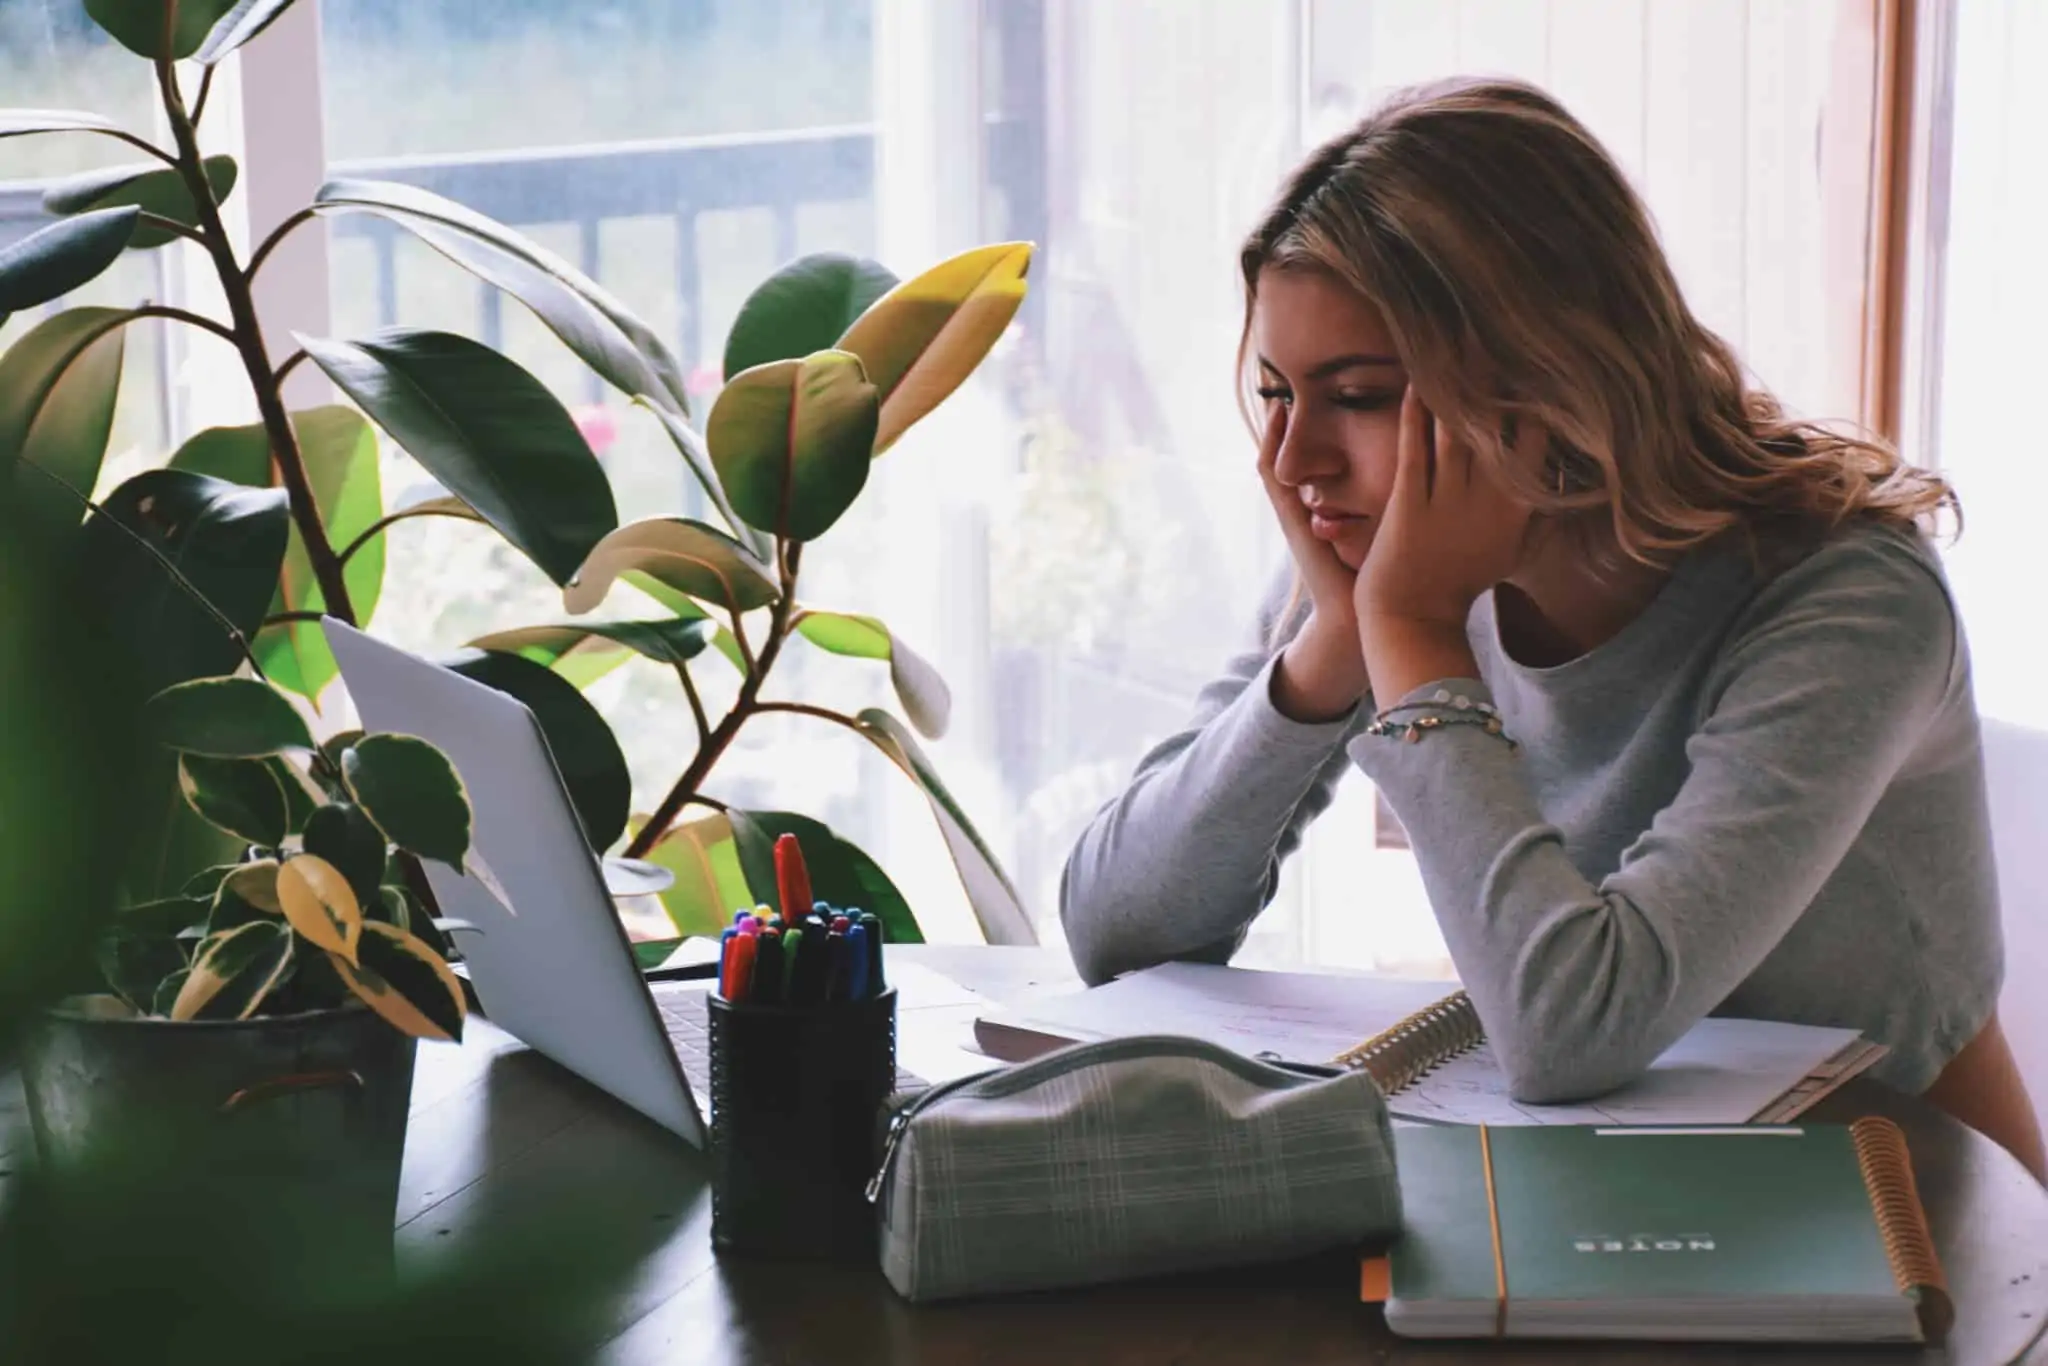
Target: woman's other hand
point(1450, 533)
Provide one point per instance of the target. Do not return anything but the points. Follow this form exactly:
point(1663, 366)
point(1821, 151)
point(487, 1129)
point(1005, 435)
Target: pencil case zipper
point(1009, 1080)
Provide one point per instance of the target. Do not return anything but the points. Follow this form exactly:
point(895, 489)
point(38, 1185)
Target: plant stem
point(248, 338)
point(291, 363)
point(699, 799)
point(271, 243)
point(745, 705)
point(205, 89)
point(696, 703)
point(822, 713)
point(185, 585)
point(401, 515)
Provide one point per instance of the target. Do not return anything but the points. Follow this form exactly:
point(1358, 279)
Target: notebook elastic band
point(1500, 1264)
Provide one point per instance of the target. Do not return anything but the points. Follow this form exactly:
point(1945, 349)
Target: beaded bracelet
point(1413, 731)
point(1442, 699)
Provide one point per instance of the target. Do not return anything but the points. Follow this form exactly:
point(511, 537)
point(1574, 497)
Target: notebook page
point(1294, 1016)
point(1720, 1072)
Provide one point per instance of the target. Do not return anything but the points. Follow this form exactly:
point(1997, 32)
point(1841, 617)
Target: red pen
point(744, 948)
point(792, 879)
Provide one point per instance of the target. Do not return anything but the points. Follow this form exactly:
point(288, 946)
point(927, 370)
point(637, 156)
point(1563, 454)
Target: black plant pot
point(264, 1152)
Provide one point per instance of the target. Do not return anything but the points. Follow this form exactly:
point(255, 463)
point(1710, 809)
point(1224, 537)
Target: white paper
point(1721, 1072)
point(1293, 1016)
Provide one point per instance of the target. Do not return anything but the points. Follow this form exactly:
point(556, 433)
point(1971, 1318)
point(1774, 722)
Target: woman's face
point(1325, 358)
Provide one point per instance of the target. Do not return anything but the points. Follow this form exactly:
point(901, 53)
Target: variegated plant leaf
point(320, 904)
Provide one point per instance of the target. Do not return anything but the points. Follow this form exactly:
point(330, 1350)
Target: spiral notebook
point(1422, 1041)
point(1756, 1233)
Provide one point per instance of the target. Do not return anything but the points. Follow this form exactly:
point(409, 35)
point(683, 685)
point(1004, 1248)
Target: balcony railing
point(677, 179)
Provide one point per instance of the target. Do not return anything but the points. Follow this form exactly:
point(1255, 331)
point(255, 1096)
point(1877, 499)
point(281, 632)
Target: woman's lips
point(1328, 526)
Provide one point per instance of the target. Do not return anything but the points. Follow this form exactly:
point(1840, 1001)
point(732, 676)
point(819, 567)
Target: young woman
point(1667, 688)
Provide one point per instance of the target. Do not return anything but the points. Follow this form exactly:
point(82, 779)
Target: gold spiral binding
point(1396, 1057)
point(1887, 1167)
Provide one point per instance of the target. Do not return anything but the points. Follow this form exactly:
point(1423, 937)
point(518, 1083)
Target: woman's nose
point(1303, 457)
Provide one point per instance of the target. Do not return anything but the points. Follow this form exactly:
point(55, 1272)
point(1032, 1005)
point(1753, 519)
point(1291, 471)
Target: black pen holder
point(794, 1095)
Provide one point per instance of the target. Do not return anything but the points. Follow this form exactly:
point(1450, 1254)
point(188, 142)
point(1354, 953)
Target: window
point(1996, 294)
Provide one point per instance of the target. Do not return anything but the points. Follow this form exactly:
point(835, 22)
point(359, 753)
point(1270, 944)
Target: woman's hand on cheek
point(1449, 533)
point(1321, 672)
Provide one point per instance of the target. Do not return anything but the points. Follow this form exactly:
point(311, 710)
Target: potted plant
point(275, 878)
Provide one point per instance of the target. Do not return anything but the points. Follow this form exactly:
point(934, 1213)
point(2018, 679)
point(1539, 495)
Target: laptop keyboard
point(684, 1019)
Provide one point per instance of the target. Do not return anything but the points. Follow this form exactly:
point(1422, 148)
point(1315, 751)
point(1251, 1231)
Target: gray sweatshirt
point(1763, 798)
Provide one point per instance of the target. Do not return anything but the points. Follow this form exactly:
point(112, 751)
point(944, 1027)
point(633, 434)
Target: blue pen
point(857, 956)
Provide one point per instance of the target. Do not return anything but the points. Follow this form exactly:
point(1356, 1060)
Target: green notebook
point(1809, 1233)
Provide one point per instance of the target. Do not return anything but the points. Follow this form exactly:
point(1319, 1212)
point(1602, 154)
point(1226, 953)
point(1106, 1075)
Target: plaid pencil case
point(1125, 1158)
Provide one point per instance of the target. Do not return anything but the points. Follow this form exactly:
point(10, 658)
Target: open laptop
point(555, 971)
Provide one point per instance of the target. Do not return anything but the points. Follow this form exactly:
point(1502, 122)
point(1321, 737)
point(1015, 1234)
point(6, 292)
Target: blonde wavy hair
point(1521, 279)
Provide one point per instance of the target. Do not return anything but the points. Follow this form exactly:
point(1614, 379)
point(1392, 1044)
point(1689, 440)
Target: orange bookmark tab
point(1375, 1280)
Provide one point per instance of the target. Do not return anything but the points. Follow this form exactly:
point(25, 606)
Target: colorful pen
point(877, 983)
point(768, 968)
point(857, 962)
point(744, 949)
point(838, 973)
point(792, 948)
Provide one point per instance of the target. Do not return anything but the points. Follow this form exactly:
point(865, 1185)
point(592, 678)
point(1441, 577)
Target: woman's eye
point(1365, 402)
point(1269, 394)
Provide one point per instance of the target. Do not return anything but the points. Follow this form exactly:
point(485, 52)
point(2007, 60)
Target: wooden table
point(498, 1130)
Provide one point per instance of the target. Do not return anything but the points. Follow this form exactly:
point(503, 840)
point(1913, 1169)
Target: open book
point(1423, 1043)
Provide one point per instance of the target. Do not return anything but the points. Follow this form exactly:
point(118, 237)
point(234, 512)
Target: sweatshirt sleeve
point(1179, 864)
point(1820, 695)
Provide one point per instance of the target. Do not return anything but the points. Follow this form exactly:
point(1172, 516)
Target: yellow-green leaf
point(320, 905)
point(401, 978)
point(926, 699)
point(690, 557)
point(708, 882)
point(792, 441)
point(922, 338)
point(233, 971)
